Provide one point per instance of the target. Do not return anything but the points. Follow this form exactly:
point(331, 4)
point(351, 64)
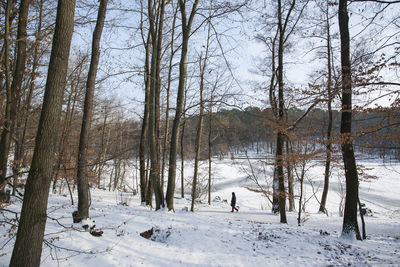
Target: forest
point(155, 102)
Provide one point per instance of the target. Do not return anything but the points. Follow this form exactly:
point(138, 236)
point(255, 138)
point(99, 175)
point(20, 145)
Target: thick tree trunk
point(82, 178)
point(186, 27)
point(28, 244)
point(350, 224)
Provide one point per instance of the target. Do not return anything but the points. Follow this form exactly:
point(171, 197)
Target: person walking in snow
point(233, 203)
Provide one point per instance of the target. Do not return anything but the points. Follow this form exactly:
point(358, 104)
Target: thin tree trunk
point(322, 207)
point(301, 193)
point(33, 76)
point(6, 133)
point(150, 191)
point(103, 149)
point(364, 234)
point(280, 135)
point(289, 168)
point(28, 245)
point(82, 177)
point(182, 152)
point(64, 134)
point(24, 118)
point(17, 84)
point(350, 224)
point(166, 131)
point(200, 125)
point(160, 189)
point(209, 150)
point(12, 93)
point(143, 141)
point(197, 149)
point(111, 176)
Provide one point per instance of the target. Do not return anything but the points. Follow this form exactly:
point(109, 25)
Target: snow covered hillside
point(213, 236)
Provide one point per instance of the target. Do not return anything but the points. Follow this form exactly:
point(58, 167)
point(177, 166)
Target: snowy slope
point(213, 236)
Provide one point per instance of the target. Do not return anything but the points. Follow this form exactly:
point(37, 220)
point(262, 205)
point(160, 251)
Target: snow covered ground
point(213, 236)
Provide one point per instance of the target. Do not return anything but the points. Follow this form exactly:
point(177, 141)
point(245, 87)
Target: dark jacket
point(233, 200)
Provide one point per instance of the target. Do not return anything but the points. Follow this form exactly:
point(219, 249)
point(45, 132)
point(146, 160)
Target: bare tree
point(13, 91)
point(28, 245)
point(167, 108)
point(82, 177)
point(350, 224)
point(186, 29)
point(25, 103)
point(145, 120)
point(203, 66)
point(322, 207)
point(280, 116)
point(156, 20)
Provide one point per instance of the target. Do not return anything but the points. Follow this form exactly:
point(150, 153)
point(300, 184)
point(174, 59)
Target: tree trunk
point(6, 133)
point(364, 233)
point(103, 149)
point(166, 132)
point(322, 207)
point(280, 135)
point(69, 114)
point(28, 245)
point(154, 98)
point(350, 224)
point(275, 188)
point(150, 191)
point(289, 168)
point(301, 179)
point(186, 28)
point(82, 178)
point(13, 92)
point(144, 130)
point(200, 125)
point(160, 189)
point(19, 154)
point(209, 150)
point(197, 149)
point(182, 137)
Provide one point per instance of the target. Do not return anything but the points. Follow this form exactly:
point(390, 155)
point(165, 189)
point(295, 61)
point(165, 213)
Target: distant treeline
point(234, 130)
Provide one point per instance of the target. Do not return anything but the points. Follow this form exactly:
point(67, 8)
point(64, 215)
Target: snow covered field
point(213, 236)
